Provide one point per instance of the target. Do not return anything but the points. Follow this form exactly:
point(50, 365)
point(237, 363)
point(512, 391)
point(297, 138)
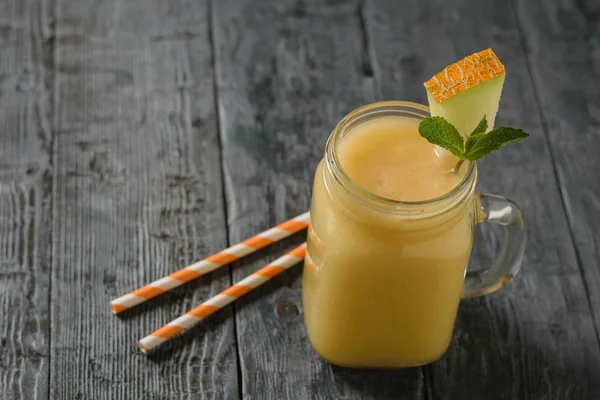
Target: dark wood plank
point(25, 188)
point(534, 339)
point(137, 195)
point(287, 72)
point(562, 45)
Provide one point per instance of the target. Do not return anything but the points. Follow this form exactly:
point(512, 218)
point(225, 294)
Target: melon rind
point(466, 109)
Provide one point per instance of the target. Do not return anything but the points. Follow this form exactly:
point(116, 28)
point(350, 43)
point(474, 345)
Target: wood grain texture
point(138, 195)
point(287, 71)
point(110, 177)
point(562, 45)
point(535, 339)
point(25, 188)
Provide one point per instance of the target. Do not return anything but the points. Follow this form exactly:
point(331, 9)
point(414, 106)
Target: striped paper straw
point(224, 298)
point(211, 263)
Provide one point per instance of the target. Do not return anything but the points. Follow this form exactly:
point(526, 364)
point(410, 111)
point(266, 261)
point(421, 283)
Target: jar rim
point(386, 108)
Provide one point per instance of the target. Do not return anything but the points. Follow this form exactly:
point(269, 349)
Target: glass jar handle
point(499, 210)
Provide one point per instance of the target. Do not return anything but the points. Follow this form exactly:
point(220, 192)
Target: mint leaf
point(483, 144)
point(471, 140)
point(481, 127)
point(479, 144)
point(476, 134)
point(442, 133)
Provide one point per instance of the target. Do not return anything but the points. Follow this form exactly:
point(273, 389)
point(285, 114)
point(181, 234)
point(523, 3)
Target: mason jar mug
point(383, 278)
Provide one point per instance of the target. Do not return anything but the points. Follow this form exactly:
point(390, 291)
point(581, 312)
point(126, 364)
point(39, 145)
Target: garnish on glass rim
point(478, 144)
point(458, 96)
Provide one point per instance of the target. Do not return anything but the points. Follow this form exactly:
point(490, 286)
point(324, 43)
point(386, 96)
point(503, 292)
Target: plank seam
point(367, 61)
point(50, 63)
point(428, 390)
point(213, 50)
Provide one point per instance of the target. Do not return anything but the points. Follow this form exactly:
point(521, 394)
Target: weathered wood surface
point(137, 194)
point(535, 339)
point(137, 136)
point(562, 44)
point(25, 189)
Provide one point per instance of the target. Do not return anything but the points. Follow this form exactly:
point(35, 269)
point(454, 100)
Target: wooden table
point(138, 136)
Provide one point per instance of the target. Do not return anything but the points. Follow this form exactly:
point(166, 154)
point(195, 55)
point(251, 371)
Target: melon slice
point(467, 90)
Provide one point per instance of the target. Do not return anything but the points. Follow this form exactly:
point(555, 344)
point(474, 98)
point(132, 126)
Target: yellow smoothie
point(388, 157)
point(382, 287)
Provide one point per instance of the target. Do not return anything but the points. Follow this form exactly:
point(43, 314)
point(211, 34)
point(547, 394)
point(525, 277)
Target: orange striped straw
point(224, 298)
point(211, 263)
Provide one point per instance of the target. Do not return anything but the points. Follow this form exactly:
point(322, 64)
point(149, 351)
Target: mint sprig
point(479, 144)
